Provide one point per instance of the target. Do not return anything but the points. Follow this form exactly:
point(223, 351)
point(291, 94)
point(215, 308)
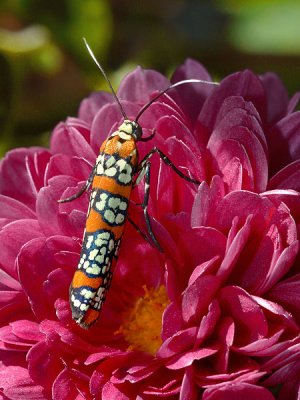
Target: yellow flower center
point(142, 323)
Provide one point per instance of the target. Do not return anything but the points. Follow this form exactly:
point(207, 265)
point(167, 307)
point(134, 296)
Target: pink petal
point(178, 343)
point(197, 297)
point(189, 390)
point(172, 321)
point(37, 259)
point(12, 237)
point(290, 198)
point(7, 282)
point(12, 305)
point(70, 384)
point(219, 146)
point(260, 347)
point(251, 323)
point(92, 104)
point(17, 385)
point(238, 391)
point(12, 210)
point(206, 244)
point(61, 164)
point(12, 341)
point(282, 266)
point(191, 96)
point(171, 127)
point(277, 96)
point(284, 142)
point(234, 249)
point(68, 138)
point(226, 332)
point(206, 201)
point(27, 330)
point(164, 384)
point(71, 218)
point(44, 364)
point(47, 206)
point(27, 166)
point(187, 359)
point(139, 84)
point(244, 84)
point(286, 178)
point(278, 311)
point(111, 391)
point(208, 323)
point(286, 293)
point(230, 153)
point(207, 268)
point(235, 111)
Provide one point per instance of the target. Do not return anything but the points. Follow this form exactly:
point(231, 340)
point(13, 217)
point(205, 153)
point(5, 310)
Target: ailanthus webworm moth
point(117, 170)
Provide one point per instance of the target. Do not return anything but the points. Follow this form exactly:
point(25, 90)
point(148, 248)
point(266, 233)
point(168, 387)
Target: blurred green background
point(45, 69)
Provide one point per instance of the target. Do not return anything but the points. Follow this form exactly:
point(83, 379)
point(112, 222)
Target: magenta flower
point(217, 315)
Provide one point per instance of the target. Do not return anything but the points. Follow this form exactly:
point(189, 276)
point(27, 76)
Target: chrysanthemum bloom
point(217, 315)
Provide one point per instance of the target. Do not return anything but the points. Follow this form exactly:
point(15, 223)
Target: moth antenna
point(144, 108)
point(106, 77)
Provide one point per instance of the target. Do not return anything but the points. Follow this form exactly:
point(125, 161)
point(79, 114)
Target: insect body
point(117, 170)
point(111, 186)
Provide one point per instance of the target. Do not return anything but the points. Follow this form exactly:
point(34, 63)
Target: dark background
point(45, 69)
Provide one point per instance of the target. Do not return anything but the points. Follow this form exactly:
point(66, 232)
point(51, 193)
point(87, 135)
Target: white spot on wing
point(89, 242)
point(87, 294)
point(121, 164)
point(100, 205)
point(114, 202)
point(93, 254)
point(123, 206)
point(76, 303)
point(94, 269)
point(110, 161)
point(119, 219)
point(99, 259)
point(109, 216)
point(125, 178)
point(111, 171)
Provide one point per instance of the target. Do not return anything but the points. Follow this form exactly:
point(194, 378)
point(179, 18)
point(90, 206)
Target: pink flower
point(217, 315)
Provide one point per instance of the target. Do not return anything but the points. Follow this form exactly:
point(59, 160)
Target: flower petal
point(138, 85)
point(17, 384)
point(284, 142)
point(277, 97)
point(191, 96)
point(239, 391)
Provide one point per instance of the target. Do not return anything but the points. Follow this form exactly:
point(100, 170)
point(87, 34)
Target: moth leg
point(141, 171)
point(139, 230)
point(145, 172)
point(84, 188)
point(168, 162)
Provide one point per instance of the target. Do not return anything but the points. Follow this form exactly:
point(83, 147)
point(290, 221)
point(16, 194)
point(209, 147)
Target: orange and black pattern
point(111, 187)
